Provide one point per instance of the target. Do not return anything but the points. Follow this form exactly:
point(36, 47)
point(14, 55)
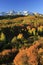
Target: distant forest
point(10, 16)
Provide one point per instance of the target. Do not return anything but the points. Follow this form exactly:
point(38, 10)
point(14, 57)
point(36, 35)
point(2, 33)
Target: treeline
point(10, 16)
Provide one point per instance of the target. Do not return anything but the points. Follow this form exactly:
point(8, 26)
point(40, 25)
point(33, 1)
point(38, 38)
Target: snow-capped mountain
point(3, 13)
point(8, 13)
point(25, 12)
point(11, 13)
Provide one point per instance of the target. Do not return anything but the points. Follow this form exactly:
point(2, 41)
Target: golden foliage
point(30, 54)
point(20, 36)
point(2, 37)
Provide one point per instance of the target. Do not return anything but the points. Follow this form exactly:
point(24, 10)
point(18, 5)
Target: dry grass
point(20, 20)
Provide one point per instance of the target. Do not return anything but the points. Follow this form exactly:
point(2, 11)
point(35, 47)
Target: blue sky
point(20, 5)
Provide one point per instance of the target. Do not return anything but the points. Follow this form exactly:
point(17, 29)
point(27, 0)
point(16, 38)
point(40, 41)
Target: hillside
point(21, 19)
point(21, 40)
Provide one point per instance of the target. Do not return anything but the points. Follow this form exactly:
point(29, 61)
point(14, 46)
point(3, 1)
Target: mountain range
point(19, 13)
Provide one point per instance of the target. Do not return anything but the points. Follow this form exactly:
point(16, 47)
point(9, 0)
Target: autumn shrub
point(40, 30)
point(2, 40)
point(6, 56)
point(27, 56)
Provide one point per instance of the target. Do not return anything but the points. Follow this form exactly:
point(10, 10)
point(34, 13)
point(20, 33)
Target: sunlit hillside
point(21, 21)
point(21, 40)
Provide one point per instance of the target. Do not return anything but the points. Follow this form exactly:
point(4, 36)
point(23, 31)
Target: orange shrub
point(27, 56)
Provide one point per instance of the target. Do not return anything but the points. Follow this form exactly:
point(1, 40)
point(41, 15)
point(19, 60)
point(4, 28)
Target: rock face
point(28, 56)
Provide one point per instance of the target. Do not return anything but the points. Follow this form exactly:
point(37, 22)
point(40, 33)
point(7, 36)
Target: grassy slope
point(9, 55)
point(20, 21)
